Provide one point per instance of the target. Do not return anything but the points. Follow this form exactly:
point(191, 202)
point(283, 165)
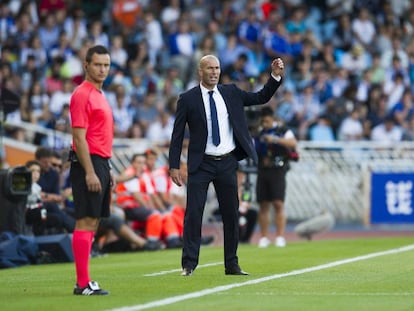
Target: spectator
point(136, 197)
point(55, 76)
point(327, 56)
point(395, 68)
point(147, 112)
point(249, 31)
point(321, 130)
point(408, 132)
point(343, 37)
point(355, 61)
point(322, 84)
point(206, 46)
point(7, 22)
point(51, 197)
point(28, 74)
point(307, 109)
point(397, 51)
point(35, 49)
point(182, 46)
point(363, 29)
point(285, 108)
point(403, 111)
point(232, 50)
point(171, 84)
point(170, 15)
point(119, 55)
point(214, 31)
point(394, 90)
point(364, 85)
point(340, 82)
point(62, 48)
point(35, 212)
point(159, 132)
point(351, 127)
point(39, 104)
point(49, 32)
point(276, 43)
point(75, 27)
point(153, 36)
point(377, 71)
point(383, 40)
point(24, 30)
point(199, 12)
point(97, 35)
point(122, 117)
point(237, 70)
point(387, 131)
point(61, 98)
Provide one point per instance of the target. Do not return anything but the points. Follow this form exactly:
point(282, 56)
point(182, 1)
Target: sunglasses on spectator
point(57, 165)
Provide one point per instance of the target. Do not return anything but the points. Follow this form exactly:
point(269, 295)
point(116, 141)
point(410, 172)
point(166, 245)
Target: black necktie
point(214, 121)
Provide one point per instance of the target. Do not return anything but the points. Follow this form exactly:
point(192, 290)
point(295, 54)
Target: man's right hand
point(93, 183)
point(176, 176)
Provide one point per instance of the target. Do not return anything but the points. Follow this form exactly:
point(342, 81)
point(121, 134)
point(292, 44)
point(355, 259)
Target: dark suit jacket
point(190, 110)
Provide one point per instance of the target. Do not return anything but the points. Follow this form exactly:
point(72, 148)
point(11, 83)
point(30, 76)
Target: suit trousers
point(223, 174)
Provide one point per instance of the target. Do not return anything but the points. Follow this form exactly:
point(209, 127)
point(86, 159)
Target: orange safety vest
point(124, 193)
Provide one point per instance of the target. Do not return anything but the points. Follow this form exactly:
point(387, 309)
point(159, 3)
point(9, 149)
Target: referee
point(92, 130)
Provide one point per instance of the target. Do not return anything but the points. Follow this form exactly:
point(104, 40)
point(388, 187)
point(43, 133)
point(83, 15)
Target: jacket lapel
point(226, 97)
point(200, 105)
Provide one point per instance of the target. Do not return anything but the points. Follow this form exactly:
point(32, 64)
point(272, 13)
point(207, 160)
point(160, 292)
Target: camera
point(15, 186)
point(18, 182)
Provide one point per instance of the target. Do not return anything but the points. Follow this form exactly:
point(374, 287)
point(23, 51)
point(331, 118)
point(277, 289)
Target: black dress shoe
point(187, 272)
point(235, 271)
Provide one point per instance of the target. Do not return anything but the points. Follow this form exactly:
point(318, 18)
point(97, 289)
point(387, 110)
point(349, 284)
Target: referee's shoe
point(91, 289)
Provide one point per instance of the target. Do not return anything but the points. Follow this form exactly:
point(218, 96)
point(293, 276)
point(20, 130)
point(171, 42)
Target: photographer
point(274, 145)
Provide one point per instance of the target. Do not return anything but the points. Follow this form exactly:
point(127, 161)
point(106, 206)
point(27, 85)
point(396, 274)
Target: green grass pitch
point(303, 276)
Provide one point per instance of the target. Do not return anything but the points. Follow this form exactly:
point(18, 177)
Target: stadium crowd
point(349, 64)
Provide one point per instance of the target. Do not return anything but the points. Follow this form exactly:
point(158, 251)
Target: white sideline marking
point(179, 270)
point(208, 291)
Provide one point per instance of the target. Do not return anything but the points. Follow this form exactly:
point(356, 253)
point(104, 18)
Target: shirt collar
point(205, 90)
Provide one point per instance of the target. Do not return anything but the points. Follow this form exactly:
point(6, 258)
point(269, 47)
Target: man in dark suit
point(219, 137)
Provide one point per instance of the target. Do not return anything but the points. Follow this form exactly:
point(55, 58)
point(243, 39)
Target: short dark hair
point(266, 112)
point(136, 155)
point(31, 163)
point(97, 49)
point(43, 152)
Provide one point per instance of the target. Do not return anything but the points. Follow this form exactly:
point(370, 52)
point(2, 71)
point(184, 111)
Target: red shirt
point(90, 110)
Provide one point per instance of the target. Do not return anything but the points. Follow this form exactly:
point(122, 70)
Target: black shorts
point(87, 203)
point(271, 184)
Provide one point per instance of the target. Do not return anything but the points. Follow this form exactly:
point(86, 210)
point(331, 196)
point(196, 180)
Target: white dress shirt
point(227, 143)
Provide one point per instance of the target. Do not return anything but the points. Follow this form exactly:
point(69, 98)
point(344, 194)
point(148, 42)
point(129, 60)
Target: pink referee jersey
point(90, 110)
